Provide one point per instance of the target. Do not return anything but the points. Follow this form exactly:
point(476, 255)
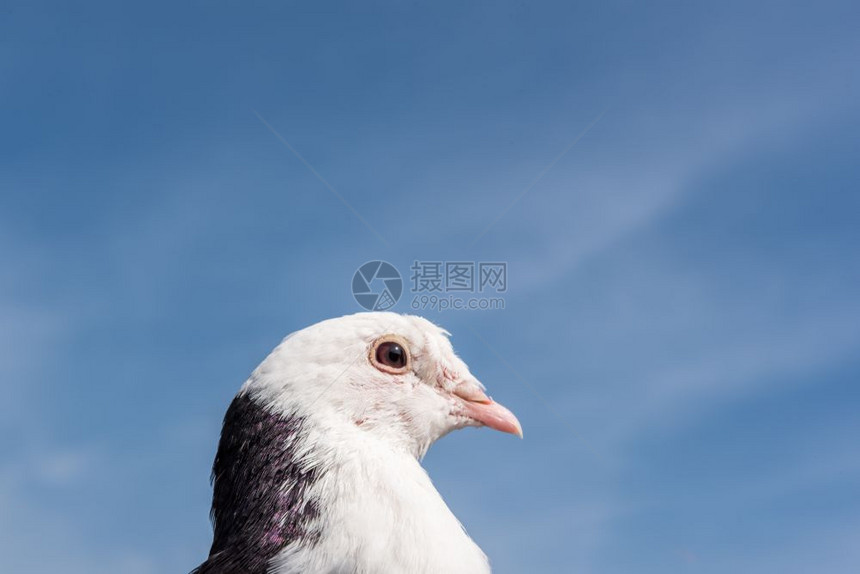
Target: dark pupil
point(391, 354)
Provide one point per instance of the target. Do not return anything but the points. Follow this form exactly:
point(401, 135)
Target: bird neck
point(262, 481)
point(381, 513)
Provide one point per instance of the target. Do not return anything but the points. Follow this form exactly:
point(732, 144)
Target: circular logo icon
point(377, 285)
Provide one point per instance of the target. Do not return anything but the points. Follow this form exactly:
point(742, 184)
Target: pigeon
point(318, 468)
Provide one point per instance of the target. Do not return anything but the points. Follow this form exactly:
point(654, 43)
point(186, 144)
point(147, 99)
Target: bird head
point(393, 376)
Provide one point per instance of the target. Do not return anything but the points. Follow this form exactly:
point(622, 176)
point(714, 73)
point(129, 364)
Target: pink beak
point(481, 408)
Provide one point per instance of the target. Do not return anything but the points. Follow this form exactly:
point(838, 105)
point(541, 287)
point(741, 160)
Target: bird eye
point(390, 356)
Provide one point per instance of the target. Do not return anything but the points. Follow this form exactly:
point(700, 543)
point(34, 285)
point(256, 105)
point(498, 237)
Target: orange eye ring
point(390, 354)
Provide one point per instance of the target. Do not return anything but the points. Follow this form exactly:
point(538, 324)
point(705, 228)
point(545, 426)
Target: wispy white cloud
point(611, 193)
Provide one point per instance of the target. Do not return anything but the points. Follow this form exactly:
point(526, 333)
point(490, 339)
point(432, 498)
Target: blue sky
point(681, 332)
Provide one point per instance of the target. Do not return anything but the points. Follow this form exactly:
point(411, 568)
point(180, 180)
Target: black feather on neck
point(260, 502)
